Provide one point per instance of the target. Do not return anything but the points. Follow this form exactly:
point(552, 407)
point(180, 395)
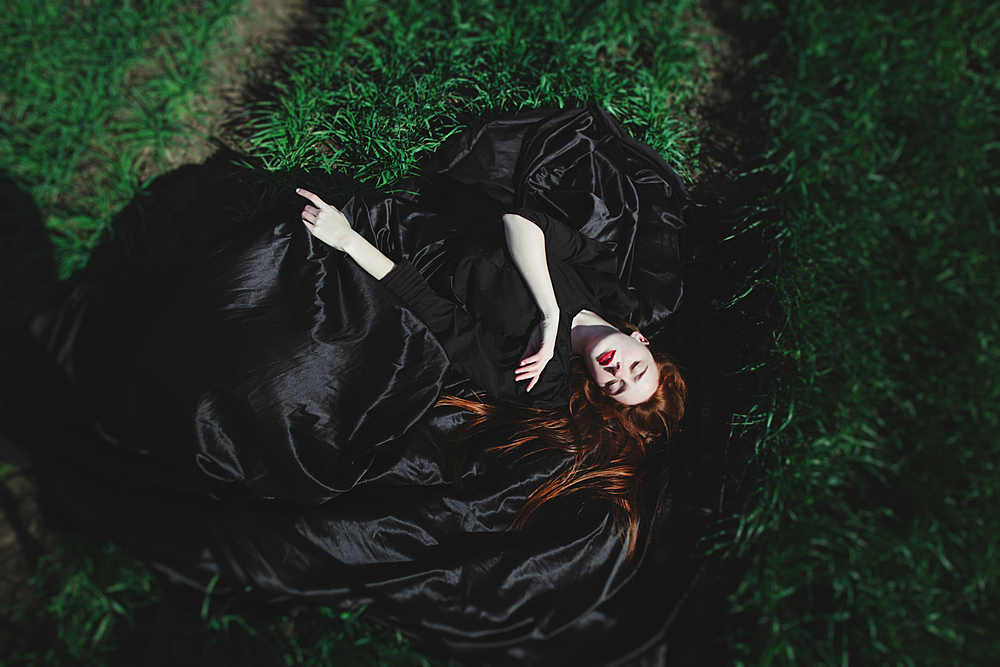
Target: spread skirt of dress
point(269, 417)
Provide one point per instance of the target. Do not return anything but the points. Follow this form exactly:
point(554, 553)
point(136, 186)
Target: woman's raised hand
point(325, 222)
point(541, 347)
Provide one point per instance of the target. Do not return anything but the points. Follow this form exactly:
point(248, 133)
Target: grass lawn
point(401, 76)
point(874, 532)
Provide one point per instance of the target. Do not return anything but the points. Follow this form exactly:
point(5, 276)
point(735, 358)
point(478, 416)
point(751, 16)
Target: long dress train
point(269, 417)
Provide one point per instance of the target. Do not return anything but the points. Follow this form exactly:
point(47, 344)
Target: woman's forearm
point(330, 226)
point(368, 256)
point(526, 243)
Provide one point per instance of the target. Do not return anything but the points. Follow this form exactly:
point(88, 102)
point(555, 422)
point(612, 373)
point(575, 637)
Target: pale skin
point(629, 374)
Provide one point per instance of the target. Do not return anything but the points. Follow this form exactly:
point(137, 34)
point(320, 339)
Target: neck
point(587, 328)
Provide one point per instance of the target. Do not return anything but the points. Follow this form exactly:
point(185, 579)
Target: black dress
point(269, 417)
point(485, 318)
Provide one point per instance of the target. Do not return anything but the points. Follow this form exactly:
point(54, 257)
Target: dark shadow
point(178, 213)
point(195, 208)
point(27, 264)
point(727, 320)
point(27, 273)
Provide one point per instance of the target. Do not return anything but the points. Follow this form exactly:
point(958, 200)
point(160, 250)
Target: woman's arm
point(457, 332)
point(526, 243)
point(330, 226)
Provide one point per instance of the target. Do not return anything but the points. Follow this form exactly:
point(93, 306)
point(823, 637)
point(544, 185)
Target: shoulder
point(537, 217)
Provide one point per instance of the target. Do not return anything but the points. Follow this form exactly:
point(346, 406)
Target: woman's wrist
point(550, 311)
point(351, 243)
point(367, 256)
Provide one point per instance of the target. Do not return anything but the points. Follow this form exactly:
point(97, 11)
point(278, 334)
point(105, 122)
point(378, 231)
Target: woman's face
point(623, 367)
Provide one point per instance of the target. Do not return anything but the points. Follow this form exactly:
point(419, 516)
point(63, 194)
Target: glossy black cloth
point(268, 417)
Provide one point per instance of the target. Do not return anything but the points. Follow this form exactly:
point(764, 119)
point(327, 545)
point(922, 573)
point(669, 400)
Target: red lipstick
point(606, 358)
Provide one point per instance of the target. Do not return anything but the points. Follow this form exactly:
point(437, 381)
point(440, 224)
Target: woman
point(593, 338)
point(268, 419)
point(632, 398)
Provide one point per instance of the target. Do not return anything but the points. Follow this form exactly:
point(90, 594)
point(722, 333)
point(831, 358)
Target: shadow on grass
point(732, 311)
point(27, 262)
point(196, 208)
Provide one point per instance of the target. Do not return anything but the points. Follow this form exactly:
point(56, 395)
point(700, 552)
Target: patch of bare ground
point(734, 129)
point(262, 31)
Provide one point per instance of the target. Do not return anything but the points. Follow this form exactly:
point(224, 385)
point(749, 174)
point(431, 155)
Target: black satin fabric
point(269, 417)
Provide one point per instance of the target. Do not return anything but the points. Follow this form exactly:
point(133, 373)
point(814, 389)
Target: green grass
point(873, 537)
point(98, 96)
point(86, 595)
point(93, 98)
point(386, 82)
point(100, 606)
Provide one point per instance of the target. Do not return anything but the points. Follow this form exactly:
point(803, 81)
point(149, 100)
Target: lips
point(606, 358)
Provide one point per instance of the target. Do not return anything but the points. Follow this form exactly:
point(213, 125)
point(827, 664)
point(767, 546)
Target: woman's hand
point(541, 347)
point(331, 227)
point(526, 243)
point(325, 222)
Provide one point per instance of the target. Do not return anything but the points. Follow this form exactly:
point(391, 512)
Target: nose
point(613, 370)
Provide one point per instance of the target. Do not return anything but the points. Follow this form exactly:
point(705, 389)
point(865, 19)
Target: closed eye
point(617, 386)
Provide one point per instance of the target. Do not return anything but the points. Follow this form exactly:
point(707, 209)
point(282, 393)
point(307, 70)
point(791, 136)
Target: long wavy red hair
point(619, 452)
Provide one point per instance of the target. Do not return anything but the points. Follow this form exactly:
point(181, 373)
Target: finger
point(537, 358)
point(532, 379)
point(530, 357)
point(526, 371)
point(313, 198)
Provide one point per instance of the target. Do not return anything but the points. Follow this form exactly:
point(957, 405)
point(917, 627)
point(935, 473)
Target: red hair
point(619, 452)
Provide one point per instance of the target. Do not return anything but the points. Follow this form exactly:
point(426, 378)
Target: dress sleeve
point(464, 340)
point(562, 241)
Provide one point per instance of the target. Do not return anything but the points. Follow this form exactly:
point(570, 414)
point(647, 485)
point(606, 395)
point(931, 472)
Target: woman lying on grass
point(271, 419)
point(622, 398)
